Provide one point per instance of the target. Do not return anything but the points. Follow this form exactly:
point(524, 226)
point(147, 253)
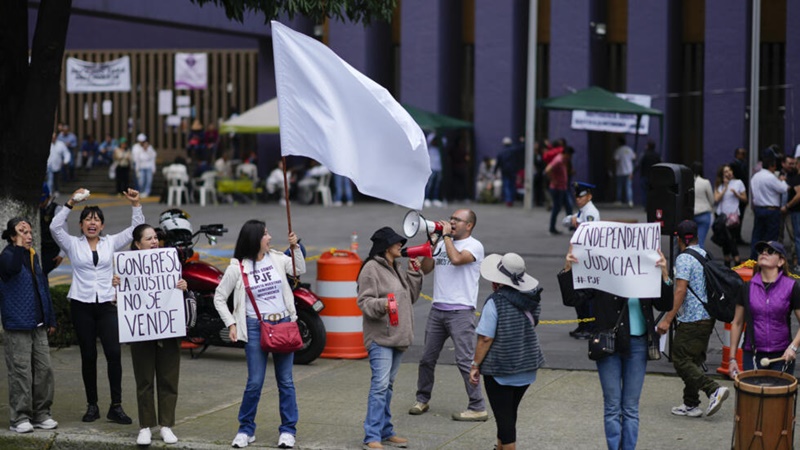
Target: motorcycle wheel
point(312, 330)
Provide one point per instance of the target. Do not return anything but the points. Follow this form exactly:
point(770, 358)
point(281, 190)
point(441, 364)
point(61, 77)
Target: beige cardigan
point(232, 282)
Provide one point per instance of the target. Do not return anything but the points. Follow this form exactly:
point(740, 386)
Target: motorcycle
point(203, 278)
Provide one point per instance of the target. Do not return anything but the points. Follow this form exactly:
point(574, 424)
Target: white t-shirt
point(729, 203)
point(624, 157)
point(457, 285)
point(265, 283)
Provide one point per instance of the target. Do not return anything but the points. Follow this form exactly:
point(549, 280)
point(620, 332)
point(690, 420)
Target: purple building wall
point(498, 64)
point(727, 66)
point(570, 58)
point(792, 113)
point(648, 57)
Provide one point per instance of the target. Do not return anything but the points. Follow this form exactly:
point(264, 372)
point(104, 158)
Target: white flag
point(334, 114)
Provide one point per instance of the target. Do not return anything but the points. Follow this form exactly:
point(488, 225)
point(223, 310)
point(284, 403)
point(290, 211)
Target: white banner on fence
point(614, 122)
point(149, 305)
point(617, 258)
point(191, 71)
point(109, 76)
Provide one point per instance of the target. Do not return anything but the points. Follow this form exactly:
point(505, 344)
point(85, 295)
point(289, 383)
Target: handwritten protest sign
point(149, 305)
point(617, 258)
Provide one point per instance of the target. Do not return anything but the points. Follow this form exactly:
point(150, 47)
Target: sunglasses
point(769, 251)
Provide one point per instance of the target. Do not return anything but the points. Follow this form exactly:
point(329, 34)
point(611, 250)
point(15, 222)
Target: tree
point(29, 92)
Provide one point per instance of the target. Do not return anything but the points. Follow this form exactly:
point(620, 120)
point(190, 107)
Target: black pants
point(93, 320)
point(505, 402)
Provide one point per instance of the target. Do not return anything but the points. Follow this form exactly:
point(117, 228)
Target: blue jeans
point(509, 188)
point(766, 226)
point(622, 377)
point(256, 368)
point(384, 362)
point(343, 188)
point(145, 180)
point(625, 182)
point(559, 199)
point(432, 188)
point(703, 221)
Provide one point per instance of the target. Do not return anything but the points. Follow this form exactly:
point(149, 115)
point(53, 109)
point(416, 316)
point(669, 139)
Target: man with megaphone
point(457, 262)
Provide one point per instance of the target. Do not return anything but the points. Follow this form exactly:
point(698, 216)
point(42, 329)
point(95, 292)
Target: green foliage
point(65, 334)
point(363, 11)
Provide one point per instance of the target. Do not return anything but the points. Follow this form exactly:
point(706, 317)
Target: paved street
point(562, 409)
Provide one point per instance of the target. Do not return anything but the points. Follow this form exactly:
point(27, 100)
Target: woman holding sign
point(260, 271)
point(158, 360)
point(92, 298)
point(622, 372)
point(386, 294)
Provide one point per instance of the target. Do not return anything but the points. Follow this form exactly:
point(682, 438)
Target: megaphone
point(413, 221)
point(423, 250)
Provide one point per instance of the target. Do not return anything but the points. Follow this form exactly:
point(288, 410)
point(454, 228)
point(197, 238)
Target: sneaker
point(438, 203)
point(286, 440)
point(22, 427)
point(92, 413)
point(145, 436)
point(691, 411)
point(426, 204)
point(117, 414)
point(337, 203)
point(419, 408)
point(242, 440)
point(47, 424)
point(349, 203)
point(371, 445)
point(396, 441)
point(554, 233)
point(715, 400)
point(168, 436)
point(471, 416)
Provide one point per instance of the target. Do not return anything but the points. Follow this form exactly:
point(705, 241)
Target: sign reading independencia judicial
point(149, 304)
point(618, 258)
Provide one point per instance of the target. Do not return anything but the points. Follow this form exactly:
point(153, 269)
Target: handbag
point(653, 350)
point(602, 343)
point(281, 337)
point(732, 219)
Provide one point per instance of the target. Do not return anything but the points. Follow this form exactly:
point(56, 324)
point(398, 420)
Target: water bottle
point(354, 242)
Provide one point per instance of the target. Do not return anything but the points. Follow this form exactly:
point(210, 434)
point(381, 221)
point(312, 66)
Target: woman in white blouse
point(703, 203)
point(729, 193)
point(92, 297)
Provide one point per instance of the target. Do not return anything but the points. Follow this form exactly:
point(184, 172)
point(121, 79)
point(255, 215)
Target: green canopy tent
point(597, 99)
point(430, 121)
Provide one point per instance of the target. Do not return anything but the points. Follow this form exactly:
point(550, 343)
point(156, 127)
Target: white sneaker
point(337, 203)
point(286, 440)
point(716, 399)
point(22, 427)
point(684, 410)
point(350, 203)
point(168, 436)
point(426, 203)
point(438, 203)
point(144, 437)
point(47, 424)
point(242, 440)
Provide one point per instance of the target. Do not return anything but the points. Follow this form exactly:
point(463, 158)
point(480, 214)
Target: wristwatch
point(793, 347)
point(474, 364)
point(448, 236)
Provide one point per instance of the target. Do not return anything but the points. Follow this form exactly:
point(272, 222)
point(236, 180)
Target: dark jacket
point(24, 295)
point(607, 308)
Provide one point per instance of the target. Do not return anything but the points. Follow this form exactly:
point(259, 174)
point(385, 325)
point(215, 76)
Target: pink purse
point(281, 337)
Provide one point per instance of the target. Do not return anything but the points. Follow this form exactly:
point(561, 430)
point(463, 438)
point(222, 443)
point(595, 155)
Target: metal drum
point(765, 410)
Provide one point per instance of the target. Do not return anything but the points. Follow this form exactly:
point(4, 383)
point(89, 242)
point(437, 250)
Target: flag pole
point(288, 213)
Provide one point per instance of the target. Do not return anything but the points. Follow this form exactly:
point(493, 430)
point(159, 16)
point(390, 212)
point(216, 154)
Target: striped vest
point(515, 347)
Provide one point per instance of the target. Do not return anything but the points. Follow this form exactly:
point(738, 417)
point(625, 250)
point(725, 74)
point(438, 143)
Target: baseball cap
point(777, 246)
point(686, 230)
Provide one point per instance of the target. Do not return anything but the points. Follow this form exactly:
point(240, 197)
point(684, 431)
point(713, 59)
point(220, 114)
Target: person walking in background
point(58, 159)
point(507, 354)
point(622, 372)
point(381, 279)
point(649, 159)
point(557, 172)
point(123, 161)
point(343, 190)
point(433, 195)
point(28, 317)
point(703, 203)
point(766, 190)
point(729, 194)
point(71, 141)
point(694, 327)
point(457, 262)
point(257, 274)
point(623, 163)
point(156, 361)
point(92, 298)
point(766, 305)
point(145, 163)
point(509, 162)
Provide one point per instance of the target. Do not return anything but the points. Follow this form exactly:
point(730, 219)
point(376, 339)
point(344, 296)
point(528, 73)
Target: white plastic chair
point(176, 184)
point(324, 189)
point(207, 185)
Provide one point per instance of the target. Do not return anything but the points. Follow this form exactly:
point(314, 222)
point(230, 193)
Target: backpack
point(723, 287)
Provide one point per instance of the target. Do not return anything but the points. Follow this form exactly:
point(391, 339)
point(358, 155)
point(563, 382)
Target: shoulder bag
point(281, 337)
point(602, 343)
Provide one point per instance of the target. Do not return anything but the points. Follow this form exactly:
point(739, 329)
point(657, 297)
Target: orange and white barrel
point(337, 272)
point(745, 271)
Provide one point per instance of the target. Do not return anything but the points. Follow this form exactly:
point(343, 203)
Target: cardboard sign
point(149, 304)
point(617, 258)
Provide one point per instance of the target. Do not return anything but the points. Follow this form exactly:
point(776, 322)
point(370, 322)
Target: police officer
point(587, 212)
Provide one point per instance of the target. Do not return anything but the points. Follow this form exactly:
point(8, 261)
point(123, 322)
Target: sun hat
point(508, 270)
